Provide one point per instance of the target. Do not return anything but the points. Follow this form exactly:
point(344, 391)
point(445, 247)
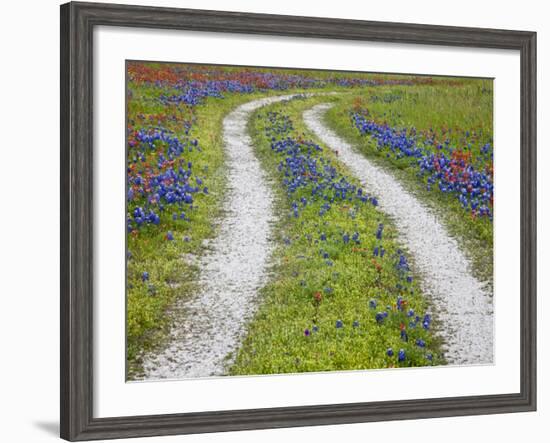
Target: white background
point(29, 218)
point(113, 397)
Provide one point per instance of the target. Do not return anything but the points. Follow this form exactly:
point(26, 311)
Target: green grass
point(276, 342)
point(460, 107)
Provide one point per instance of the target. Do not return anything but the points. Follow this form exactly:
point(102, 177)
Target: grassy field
point(342, 293)
point(339, 298)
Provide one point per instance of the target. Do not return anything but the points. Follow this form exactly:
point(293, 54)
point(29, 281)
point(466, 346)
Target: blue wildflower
point(379, 231)
point(427, 321)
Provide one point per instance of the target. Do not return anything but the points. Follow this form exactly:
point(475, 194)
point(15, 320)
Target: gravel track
point(464, 308)
point(209, 326)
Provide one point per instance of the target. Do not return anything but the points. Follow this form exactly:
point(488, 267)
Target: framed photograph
point(273, 221)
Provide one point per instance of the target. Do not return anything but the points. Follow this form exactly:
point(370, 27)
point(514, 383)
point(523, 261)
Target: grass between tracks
point(342, 295)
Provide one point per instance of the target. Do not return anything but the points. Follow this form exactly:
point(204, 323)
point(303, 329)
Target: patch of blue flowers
point(448, 169)
point(161, 181)
point(302, 168)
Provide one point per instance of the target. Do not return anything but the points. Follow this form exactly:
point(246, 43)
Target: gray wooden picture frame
point(77, 23)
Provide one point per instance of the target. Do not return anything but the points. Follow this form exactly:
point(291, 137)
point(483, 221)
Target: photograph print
point(283, 221)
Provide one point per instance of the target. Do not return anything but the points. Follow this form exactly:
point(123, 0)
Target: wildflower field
point(343, 287)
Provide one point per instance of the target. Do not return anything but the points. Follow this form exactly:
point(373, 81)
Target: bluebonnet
point(402, 264)
point(379, 231)
point(426, 321)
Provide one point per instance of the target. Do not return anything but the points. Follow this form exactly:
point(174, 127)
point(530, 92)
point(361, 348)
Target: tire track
point(464, 307)
point(209, 326)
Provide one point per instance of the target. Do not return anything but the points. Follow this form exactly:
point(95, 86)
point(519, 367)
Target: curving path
point(231, 273)
point(464, 307)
